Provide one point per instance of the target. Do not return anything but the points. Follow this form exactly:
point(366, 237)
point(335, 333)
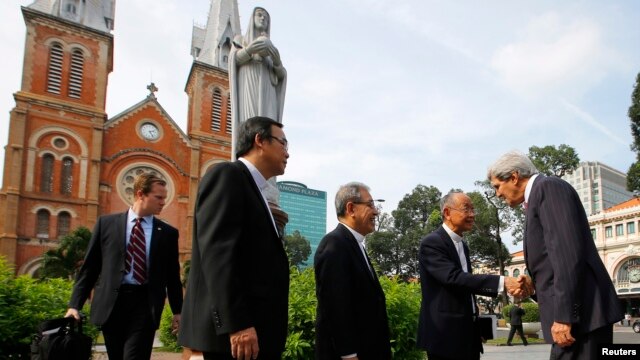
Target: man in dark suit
point(578, 303)
point(237, 293)
point(447, 328)
point(351, 314)
point(135, 256)
point(515, 315)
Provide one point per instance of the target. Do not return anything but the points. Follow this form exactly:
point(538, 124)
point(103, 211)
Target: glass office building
point(307, 209)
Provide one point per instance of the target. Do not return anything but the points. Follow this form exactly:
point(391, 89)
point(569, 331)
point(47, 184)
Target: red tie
point(136, 253)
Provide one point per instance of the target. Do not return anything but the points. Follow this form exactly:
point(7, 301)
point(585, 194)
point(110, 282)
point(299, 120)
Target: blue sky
point(399, 93)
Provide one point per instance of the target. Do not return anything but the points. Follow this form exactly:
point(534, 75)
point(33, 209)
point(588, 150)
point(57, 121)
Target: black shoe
point(525, 344)
point(509, 344)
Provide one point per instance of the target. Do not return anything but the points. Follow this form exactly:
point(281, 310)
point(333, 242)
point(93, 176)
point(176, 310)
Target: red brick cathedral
point(67, 162)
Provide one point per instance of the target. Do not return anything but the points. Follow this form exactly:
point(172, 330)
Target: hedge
point(403, 308)
point(531, 312)
point(25, 303)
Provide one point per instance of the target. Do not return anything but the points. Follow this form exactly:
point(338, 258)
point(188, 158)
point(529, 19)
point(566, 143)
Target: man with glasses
point(237, 294)
point(447, 328)
point(351, 314)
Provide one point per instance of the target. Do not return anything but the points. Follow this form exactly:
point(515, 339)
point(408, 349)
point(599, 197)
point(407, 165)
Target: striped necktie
point(136, 258)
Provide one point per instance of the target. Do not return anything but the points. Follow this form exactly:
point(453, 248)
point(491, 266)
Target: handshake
point(521, 287)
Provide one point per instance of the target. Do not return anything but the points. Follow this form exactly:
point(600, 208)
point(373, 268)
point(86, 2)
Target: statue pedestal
point(281, 218)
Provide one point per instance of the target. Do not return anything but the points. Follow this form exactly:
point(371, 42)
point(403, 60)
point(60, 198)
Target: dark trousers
point(512, 332)
point(227, 356)
point(129, 331)
point(586, 345)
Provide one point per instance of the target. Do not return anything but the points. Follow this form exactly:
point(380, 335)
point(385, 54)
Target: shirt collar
point(260, 181)
point(527, 190)
point(131, 216)
point(359, 237)
point(455, 237)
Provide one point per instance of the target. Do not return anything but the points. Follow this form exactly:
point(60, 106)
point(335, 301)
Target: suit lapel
point(121, 233)
point(257, 193)
point(156, 238)
point(448, 243)
point(355, 247)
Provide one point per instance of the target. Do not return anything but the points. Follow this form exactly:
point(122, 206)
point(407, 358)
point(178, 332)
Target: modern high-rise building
point(599, 186)
point(307, 209)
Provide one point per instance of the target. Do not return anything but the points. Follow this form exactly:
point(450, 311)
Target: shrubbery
point(403, 308)
point(168, 339)
point(25, 303)
point(531, 312)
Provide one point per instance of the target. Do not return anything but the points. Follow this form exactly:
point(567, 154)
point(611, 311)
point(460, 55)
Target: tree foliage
point(633, 175)
point(66, 260)
point(25, 302)
point(394, 247)
point(553, 161)
point(485, 245)
point(298, 248)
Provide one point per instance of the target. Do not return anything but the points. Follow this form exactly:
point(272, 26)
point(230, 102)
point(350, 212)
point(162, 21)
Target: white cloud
point(553, 56)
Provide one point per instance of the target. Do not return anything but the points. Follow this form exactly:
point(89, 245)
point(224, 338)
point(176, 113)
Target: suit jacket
point(516, 315)
point(351, 312)
point(446, 325)
point(104, 268)
point(239, 275)
point(572, 285)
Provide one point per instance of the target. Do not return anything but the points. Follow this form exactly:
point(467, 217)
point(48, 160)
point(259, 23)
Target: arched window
point(75, 75)
point(46, 174)
point(229, 115)
point(42, 225)
point(66, 177)
point(54, 75)
point(506, 273)
point(64, 223)
point(516, 273)
point(216, 110)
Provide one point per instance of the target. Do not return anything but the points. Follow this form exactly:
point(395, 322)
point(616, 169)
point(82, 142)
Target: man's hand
point(175, 324)
point(244, 344)
point(561, 334)
point(73, 312)
point(520, 287)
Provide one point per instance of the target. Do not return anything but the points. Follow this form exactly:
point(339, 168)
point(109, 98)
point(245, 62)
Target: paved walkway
point(491, 352)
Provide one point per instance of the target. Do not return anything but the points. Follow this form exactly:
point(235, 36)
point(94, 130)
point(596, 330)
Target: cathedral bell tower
point(52, 157)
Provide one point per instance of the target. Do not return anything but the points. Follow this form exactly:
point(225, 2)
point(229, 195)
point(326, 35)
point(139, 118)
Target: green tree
point(65, 261)
point(394, 248)
point(554, 162)
point(298, 248)
point(633, 175)
point(485, 244)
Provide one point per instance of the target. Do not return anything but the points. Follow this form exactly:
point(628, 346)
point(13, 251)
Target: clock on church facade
point(68, 161)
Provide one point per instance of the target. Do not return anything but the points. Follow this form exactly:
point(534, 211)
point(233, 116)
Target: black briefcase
point(61, 339)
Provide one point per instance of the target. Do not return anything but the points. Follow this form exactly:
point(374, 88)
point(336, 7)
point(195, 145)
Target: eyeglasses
point(467, 211)
point(282, 141)
point(370, 203)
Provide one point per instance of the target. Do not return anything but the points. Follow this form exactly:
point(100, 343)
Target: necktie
point(136, 258)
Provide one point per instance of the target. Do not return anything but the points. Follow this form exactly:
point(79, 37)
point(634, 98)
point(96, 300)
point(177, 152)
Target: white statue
point(258, 80)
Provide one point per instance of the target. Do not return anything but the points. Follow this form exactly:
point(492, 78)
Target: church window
point(54, 76)
point(42, 226)
point(71, 8)
point(75, 75)
point(64, 224)
point(229, 115)
point(516, 273)
point(216, 110)
point(46, 174)
point(66, 177)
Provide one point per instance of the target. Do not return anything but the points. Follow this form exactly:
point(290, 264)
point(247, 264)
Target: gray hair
point(507, 164)
point(348, 192)
point(448, 200)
